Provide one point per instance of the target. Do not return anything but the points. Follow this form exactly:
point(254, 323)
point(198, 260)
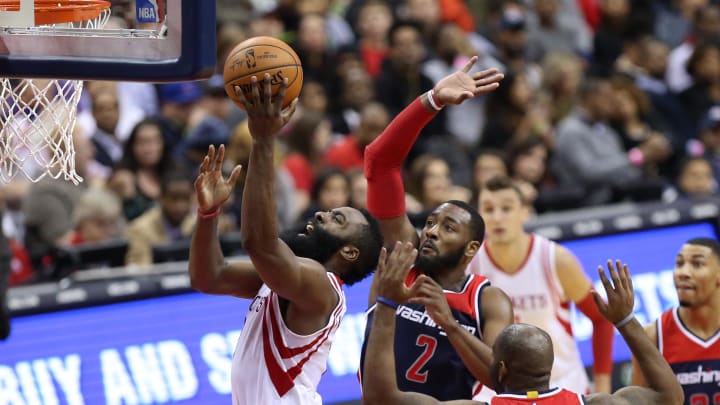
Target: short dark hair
point(400, 24)
point(369, 242)
point(707, 242)
point(477, 224)
point(498, 183)
point(323, 177)
point(172, 177)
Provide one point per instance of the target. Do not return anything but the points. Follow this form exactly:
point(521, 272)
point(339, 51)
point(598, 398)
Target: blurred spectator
point(528, 160)
point(401, 79)
point(374, 21)
point(314, 97)
point(639, 127)
point(348, 152)
point(709, 137)
point(137, 177)
point(429, 184)
point(589, 153)
point(513, 113)
point(511, 40)
point(176, 103)
point(237, 152)
point(308, 139)
point(489, 163)
point(453, 48)
point(696, 178)
point(705, 29)
point(49, 207)
point(266, 23)
point(330, 190)
point(356, 91)
point(339, 31)
point(208, 125)
point(135, 101)
point(172, 220)
point(673, 20)
point(615, 25)
point(313, 48)
point(562, 74)
point(704, 69)
point(97, 217)
point(650, 78)
point(549, 32)
point(358, 188)
point(105, 111)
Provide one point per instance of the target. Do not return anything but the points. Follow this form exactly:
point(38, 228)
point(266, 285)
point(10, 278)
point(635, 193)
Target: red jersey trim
point(690, 335)
point(522, 266)
point(281, 379)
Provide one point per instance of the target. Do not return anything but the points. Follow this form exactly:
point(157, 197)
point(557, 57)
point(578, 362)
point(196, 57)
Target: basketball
point(256, 57)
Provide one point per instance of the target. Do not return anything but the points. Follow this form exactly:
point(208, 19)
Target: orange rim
point(60, 11)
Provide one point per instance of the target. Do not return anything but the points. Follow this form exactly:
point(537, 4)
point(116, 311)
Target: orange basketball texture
point(257, 56)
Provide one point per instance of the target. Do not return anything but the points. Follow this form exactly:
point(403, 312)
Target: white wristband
point(625, 321)
point(431, 100)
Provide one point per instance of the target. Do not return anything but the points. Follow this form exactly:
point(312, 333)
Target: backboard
point(143, 40)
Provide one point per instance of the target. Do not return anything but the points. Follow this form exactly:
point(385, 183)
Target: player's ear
point(472, 248)
point(350, 253)
point(502, 372)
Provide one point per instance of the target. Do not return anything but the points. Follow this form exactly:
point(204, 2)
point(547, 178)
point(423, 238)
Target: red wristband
point(209, 215)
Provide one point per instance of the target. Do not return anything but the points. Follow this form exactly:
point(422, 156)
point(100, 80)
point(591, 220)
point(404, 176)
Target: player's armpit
point(301, 281)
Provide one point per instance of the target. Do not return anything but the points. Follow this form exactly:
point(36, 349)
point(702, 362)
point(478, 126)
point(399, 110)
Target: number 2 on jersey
point(413, 373)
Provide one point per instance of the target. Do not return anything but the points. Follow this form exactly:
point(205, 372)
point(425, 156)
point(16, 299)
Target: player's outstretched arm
point(384, 156)
point(301, 281)
point(209, 272)
point(379, 380)
point(664, 388)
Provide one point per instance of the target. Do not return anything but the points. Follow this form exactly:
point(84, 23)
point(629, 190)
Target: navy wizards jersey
point(425, 361)
point(695, 362)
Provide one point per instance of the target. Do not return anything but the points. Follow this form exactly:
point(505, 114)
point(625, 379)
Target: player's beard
point(319, 245)
point(434, 265)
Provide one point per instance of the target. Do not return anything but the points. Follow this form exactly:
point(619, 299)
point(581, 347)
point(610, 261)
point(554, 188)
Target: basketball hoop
point(37, 117)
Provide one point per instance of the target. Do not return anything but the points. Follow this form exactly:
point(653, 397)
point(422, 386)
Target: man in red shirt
point(348, 153)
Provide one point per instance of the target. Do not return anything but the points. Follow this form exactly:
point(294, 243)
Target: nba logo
point(250, 58)
point(149, 11)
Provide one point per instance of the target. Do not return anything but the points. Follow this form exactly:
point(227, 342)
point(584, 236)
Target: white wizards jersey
point(272, 364)
point(538, 299)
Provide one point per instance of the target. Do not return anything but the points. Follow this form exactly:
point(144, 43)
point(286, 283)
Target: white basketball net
point(37, 120)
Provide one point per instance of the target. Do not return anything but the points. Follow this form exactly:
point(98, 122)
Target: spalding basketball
point(256, 57)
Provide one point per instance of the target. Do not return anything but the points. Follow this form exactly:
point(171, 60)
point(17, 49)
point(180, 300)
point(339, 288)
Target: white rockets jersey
point(272, 364)
point(538, 299)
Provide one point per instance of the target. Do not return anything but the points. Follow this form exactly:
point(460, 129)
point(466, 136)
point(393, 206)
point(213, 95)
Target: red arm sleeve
point(384, 157)
point(602, 337)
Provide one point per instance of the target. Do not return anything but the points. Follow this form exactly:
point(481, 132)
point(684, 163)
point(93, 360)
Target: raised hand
point(460, 86)
point(620, 294)
point(211, 187)
point(265, 113)
point(392, 271)
point(430, 294)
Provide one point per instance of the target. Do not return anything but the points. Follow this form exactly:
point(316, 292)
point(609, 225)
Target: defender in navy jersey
point(689, 336)
point(522, 353)
point(446, 359)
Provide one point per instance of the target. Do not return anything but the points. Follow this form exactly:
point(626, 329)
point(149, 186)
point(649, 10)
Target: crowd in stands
point(603, 101)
